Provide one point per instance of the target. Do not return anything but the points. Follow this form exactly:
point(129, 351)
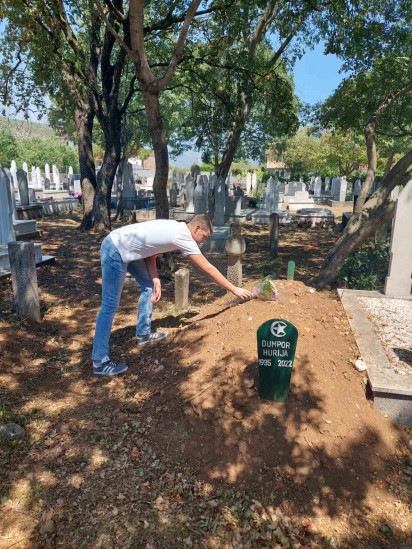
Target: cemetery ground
point(181, 451)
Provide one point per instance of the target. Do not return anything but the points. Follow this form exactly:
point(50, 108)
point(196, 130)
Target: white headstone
point(399, 279)
point(25, 168)
point(56, 177)
point(38, 178)
point(343, 187)
point(317, 187)
point(47, 171)
point(13, 172)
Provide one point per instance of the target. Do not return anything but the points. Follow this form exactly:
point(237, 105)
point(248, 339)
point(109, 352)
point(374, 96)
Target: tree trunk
point(101, 207)
point(377, 211)
point(362, 226)
point(159, 143)
point(119, 192)
point(84, 127)
point(233, 139)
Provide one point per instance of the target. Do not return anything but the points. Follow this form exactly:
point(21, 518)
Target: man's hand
point(157, 291)
point(241, 293)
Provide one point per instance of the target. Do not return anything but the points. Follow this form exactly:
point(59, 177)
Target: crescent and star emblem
point(278, 328)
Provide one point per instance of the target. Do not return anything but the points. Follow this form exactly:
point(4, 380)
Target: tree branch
point(122, 42)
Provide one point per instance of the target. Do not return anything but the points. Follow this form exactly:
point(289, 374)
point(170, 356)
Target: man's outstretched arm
point(200, 261)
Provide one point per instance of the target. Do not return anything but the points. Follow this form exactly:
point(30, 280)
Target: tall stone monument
point(399, 280)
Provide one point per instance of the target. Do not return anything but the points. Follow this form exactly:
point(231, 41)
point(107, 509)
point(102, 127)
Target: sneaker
point(151, 336)
point(109, 368)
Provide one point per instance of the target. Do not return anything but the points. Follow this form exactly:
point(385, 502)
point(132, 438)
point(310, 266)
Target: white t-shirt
point(140, 240)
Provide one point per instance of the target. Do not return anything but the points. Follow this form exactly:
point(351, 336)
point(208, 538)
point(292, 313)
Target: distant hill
point(25, 129)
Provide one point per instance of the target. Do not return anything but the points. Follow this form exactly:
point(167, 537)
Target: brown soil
point(181, 451)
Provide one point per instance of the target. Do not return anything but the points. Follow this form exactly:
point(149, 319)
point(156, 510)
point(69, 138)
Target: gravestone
point(13, 172)
point(23, 187)
point(33, 178)
point(295, 186)
point(272, 195)
point(399, 281)
point(25, 227)
point(220, 199)
point(301, 199)
point(38, 179)
point(235, 247)
point(77, 188)
point(7, 233)
point(317, 187)
point(276, 343)
point(233, 206)
point(47, 172)
point(129, 189)
point(189, 186)
point(56, 177)
point(333, 186)
point(327, 185)
point(182, 288)
point(173, 195)
point(341, 189)
point(200, 195)
point(24, 279)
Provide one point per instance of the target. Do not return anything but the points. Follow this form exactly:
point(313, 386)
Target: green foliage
point(38, 152)
point(366, 269)
point(8, 148)
point(327, 154)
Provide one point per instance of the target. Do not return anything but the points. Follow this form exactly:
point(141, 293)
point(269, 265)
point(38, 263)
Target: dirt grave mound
point(315, 449)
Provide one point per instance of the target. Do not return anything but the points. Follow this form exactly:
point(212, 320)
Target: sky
point(316, 77)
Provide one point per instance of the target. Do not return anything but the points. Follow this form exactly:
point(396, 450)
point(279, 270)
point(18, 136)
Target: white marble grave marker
point(399, 279)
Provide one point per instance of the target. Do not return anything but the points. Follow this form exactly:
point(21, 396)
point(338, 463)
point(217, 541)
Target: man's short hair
point(203, 221)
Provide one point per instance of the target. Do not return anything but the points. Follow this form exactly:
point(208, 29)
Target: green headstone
point(291, 270)
point(276, 341)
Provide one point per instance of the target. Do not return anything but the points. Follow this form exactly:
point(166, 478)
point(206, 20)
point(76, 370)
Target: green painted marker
point(291, 270)
point(276, 342)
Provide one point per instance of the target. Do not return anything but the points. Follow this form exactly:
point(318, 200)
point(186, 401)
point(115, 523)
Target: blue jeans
point(113, 276)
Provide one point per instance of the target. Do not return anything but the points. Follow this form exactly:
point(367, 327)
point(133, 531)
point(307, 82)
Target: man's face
point(200, 235)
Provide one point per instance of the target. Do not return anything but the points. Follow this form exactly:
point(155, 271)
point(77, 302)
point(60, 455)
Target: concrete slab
point(392, 394)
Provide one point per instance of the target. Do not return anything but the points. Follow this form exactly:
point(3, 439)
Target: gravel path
point(392, 322)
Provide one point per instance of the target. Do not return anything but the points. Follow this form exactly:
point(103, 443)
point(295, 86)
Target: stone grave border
point(392, 394)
